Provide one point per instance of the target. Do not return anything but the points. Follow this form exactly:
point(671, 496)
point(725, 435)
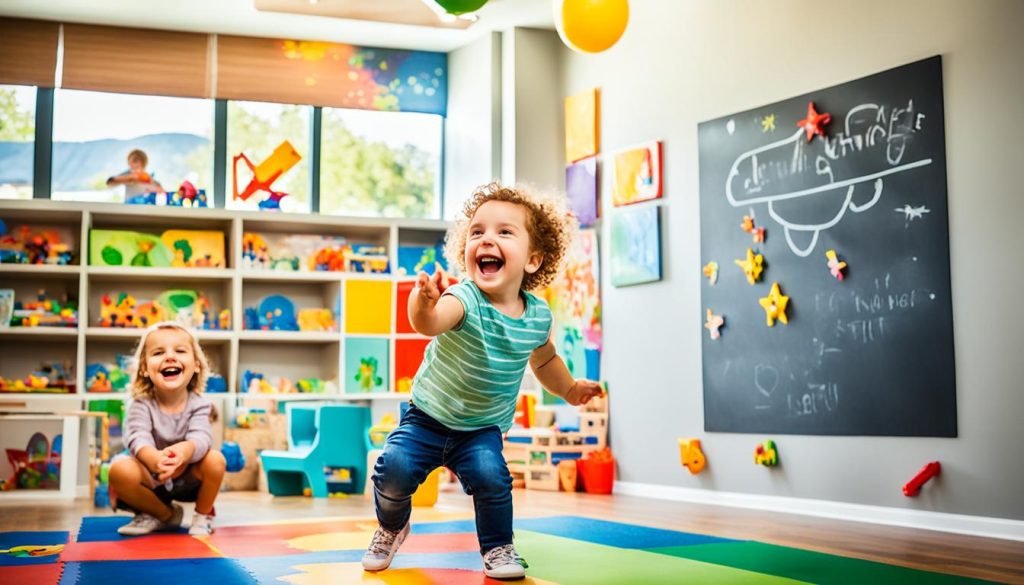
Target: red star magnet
point(814, 121)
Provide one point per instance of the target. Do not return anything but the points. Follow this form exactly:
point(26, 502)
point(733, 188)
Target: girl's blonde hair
point(550, 225)
point(141, 386)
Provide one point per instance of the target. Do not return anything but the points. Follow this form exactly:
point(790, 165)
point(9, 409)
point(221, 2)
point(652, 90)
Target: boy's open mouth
point(171, 372)
point(489, 264)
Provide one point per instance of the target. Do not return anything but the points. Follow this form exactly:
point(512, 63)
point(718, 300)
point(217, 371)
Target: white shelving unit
point(292, 354)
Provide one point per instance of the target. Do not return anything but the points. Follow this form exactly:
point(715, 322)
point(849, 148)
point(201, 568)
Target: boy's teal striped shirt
point(470, 376)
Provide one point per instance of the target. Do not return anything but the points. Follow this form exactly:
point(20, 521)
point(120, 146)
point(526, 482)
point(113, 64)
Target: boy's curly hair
point(550, 225)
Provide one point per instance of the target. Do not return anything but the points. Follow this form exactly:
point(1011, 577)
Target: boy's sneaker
point(202, 524)
point(144, 523)
point(503, 562)
point(383, 547)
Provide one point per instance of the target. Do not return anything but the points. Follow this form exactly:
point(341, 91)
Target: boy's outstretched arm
point(555, 377)
point(430, 313)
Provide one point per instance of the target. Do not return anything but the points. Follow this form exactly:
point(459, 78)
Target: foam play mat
point(440, 550)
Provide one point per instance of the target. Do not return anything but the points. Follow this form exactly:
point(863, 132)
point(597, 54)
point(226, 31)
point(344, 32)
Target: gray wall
point(681, 62)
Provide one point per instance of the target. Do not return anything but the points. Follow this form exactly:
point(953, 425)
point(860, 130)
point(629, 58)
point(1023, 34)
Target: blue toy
point(274, 313)
point(233, 455)
point(216, 383)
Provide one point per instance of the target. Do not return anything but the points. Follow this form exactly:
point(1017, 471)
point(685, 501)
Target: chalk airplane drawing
point(891, 130)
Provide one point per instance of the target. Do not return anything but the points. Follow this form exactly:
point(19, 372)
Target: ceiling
point(241, 17)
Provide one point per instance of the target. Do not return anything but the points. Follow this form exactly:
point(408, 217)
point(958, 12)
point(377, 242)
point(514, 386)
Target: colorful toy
point(835, 266)
point(33, 550)
point(774, 306)
point(757, 233)
point(274, 313)
point(711, 272)
point(37, 467)
point(766, 454)
point(751, 266)
point(311, 386)
point(45, 312)
point(526, 409)
point(279, 162)
point(233, 455)
point(713, 324)
point(188, 307)
point(927, 472)
point(26, 245)
point(691, 455)
point(255, 252)
point(380, 431)
point(367, 375)
point(413, 259)
point(316, 320)
point(51, 377)
point(195, 248)
point(814, 122)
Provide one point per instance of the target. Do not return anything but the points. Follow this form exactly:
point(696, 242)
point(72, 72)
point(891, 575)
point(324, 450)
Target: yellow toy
point(775, 306)
point(751, 266)
point(278, 163)
point(316, 320)
point(380, 431)
point(711, 271)
point(691, 455)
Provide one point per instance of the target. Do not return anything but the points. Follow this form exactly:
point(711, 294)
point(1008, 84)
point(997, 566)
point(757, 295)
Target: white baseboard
point(927, 520)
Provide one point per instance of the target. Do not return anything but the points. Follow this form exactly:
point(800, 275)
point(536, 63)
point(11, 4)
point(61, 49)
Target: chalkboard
point(871, 354)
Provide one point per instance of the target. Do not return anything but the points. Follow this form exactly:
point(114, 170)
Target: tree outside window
point(17, 141)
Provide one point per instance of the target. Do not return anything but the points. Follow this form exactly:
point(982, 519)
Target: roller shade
point(28, 52)
point(331, 74)
point(139, 61)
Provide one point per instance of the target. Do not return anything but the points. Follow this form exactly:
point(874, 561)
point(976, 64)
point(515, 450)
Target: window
point(17, 141)
point(93, 133)
point(380, 163)
point(259, 131)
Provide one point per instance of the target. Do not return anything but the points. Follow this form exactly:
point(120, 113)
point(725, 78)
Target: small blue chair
point(342, 440)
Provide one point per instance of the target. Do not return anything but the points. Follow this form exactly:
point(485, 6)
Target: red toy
point(927, 472)
point(814, 121)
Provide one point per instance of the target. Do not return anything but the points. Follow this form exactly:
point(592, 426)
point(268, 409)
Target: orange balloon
point(591, 26)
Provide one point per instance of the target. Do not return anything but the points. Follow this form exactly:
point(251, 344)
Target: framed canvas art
point(636, 245)
point(636, 174)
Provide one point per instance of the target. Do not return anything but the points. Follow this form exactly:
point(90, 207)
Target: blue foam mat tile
point(613, 533)
point(221, 571)
point(447, 527)
point(26, 538)
point(104, 528)
point(271, 569)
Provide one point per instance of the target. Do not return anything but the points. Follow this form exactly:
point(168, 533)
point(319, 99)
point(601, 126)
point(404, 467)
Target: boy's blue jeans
point(418, 446)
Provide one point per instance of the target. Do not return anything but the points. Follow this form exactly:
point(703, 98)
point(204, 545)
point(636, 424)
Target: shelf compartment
point(303, 295)
point(288, 360)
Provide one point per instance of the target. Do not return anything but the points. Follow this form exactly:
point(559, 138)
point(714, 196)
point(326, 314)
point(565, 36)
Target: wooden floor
point(986, 558)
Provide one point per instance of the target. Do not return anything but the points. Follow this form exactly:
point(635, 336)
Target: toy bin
point(597, 476)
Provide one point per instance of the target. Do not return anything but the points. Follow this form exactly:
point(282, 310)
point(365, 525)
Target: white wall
point(473, 126)
point(681, 62)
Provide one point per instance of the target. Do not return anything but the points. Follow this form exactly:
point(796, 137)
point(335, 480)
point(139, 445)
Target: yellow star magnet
point(775, 306)
point(752, 266)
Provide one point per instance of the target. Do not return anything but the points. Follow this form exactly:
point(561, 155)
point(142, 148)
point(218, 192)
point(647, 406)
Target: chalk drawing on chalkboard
point(768, 123)
point(912, 213)
point(780, 171)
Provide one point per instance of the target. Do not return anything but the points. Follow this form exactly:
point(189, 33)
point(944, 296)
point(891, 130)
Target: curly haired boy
point(485, 330)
